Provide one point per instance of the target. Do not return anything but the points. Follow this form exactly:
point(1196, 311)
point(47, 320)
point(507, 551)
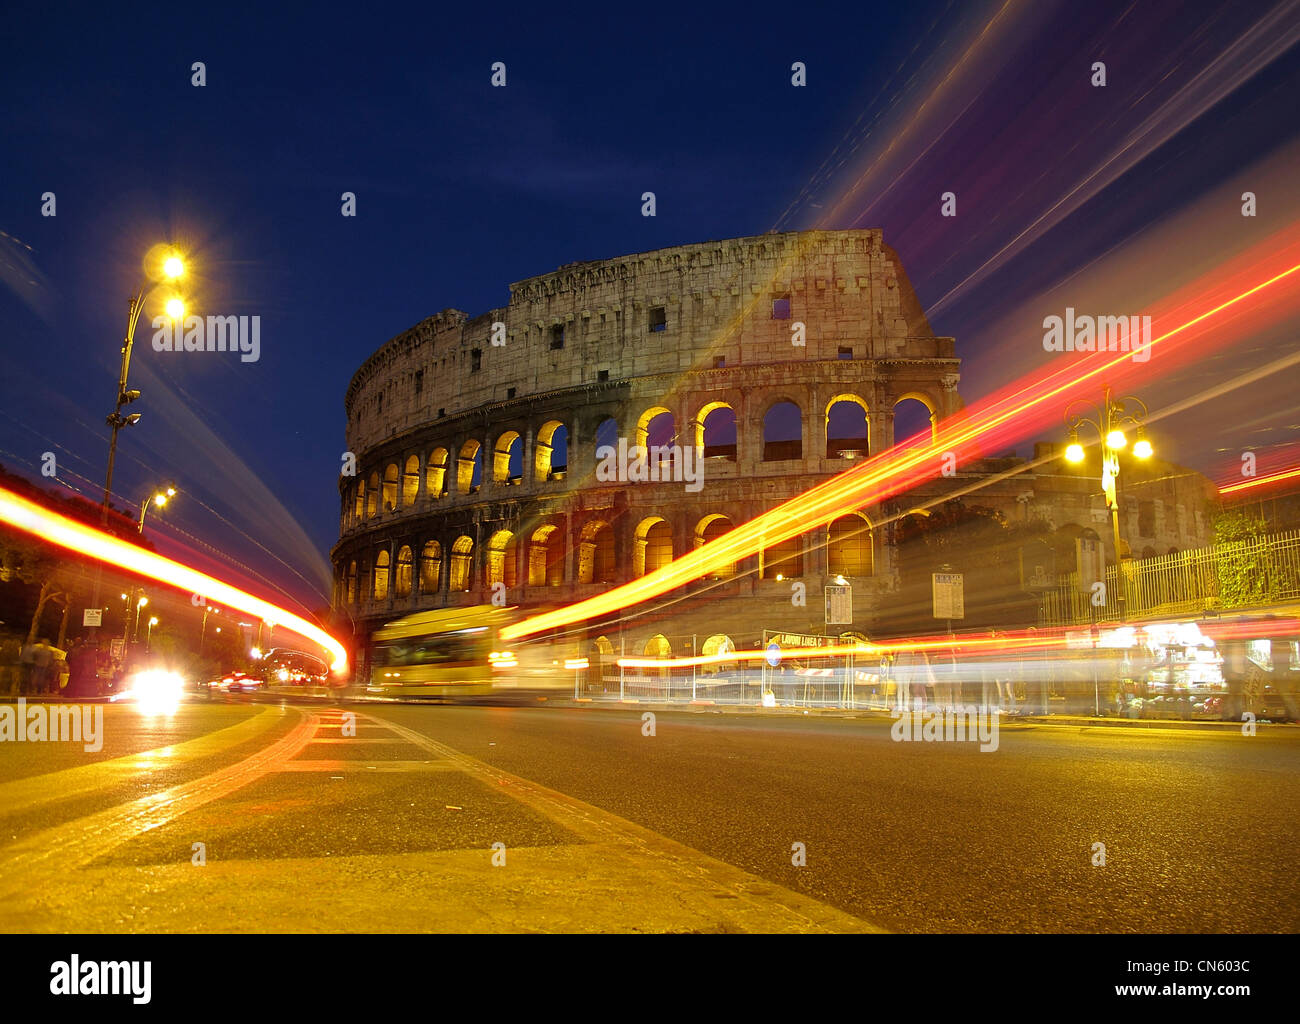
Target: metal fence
point(1185, 583)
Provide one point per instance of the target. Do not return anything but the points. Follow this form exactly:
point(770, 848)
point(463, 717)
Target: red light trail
point(1033, 402)
point(86, 540)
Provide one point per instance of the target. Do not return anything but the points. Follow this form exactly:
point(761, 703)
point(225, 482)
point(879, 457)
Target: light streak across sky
point(86, 540)
point(1203, 311)
point(1262, 481)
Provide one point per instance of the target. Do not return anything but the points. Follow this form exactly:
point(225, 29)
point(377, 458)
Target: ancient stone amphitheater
point(778, 357)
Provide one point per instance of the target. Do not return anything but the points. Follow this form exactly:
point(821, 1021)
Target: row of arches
point(448, 469)
point(539, 557)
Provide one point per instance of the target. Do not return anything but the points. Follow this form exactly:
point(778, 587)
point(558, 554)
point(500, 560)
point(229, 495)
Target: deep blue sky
point(463, 188)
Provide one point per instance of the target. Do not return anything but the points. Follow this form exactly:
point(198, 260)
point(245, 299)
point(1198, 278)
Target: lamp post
point(148, 636)
point(135, 631)
point(1112, 416)
point(203, 634)
point(158, 498)
point(171, 268)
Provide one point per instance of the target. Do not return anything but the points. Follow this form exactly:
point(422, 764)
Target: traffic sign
point(948, 590)
point(774, 654)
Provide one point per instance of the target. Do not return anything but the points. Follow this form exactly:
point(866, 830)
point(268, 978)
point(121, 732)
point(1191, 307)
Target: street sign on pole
point(92, 617)
point(839, 605)
point(948, 592)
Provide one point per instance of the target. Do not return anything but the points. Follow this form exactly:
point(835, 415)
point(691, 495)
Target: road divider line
point(66, 783)
point(766, 906)
point(44, 857)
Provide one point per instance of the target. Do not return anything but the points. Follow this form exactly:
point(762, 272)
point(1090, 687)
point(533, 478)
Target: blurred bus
point(458, 653)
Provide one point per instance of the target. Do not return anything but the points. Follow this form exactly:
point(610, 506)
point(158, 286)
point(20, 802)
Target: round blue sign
point(774, 654)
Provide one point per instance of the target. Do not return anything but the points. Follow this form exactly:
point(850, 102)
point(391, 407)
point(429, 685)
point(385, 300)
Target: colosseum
point(778, 358)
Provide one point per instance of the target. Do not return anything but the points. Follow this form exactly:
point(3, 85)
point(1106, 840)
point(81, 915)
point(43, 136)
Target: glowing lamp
point(175, 308)
point(173, 267)
point(1116, 440)
point(1142, 449)
point(1075, 452)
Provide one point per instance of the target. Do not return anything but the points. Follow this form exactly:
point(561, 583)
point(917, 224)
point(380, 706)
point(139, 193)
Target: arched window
point(783, 433)
point(405, 572)
point(435, 474)
point(784, 560)
point(469, 468)
point(596, 553)
point(913, 414)
point(411, 481)
point(715, 431)
point(462, 555)
point(390, 487)
point(848, 546)
point(546, 557)
point(360, 510)
point(846, 428)
point(710, 528)
point(653, 546)
point(658, 647)
point(352, 582)
point(381, 576)
point(372, 496)
point(551, 457)
point(508, 458)
point(501, 564)
point(656, 426)
point(431, 567)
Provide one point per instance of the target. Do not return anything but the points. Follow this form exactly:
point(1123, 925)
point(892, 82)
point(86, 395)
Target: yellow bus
point(452, 652)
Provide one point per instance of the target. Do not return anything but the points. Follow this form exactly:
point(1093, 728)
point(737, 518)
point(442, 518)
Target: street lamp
point(203, 633)
point(135, 632)
point(158, 498)
point(1113, 415)
point(148, 636)
point(171, 268)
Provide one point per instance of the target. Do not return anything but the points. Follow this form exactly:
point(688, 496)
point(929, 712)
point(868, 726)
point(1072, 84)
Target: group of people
point(40, 669)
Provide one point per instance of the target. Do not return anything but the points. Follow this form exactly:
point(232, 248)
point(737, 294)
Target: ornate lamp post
point(1112, 416)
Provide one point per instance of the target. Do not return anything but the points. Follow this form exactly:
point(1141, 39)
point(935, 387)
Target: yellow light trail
point(1289, 474)
point(879, 477)
point(86, 540)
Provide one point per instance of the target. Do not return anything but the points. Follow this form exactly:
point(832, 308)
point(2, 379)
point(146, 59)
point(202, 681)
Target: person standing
point(42, 666)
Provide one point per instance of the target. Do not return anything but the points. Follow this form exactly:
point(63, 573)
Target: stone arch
point(658, 646)
point(502, 564)
point(782, 431)
point(435, 474)
point(352, 582)
point(389, 494)
point(381, 576)
point(372, 496)
point(909, 414)
point(710, 528)
point(462, 558)
point(551, 451)
point(546, 556)
point(849, 550)
point(596, 563)
point(652, 545)
point(359, 509)
point(431, 567)
point(718, 643)
point(508, 458)
point(652, 429)
point(410, 481)
point(848, 435)
point(714, 431)
point(469, 467)
point(405, 572)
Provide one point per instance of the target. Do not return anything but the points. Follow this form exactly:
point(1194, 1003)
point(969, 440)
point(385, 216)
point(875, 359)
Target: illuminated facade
point(777, 358)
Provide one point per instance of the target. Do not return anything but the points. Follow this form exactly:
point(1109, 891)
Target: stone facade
point(475, 438)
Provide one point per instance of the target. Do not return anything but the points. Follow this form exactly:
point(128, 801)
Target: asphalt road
point(256, 816)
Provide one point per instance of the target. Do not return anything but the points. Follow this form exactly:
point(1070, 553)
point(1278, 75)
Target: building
point(776, 359)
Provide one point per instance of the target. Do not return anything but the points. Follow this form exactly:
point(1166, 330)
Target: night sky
point(463, 188)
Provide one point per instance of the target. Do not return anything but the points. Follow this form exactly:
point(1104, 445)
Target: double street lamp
point(1112, 417)
point(159, 498)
